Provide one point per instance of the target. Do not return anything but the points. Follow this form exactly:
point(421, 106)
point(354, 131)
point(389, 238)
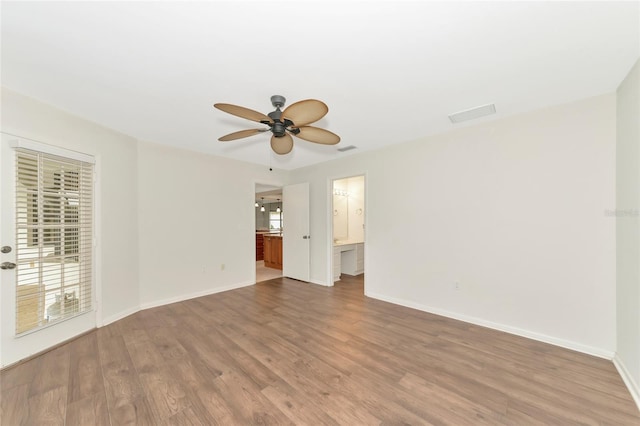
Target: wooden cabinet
point(259, 247)
point(273, 251)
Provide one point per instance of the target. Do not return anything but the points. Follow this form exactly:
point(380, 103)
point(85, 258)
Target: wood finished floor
point(285, 352)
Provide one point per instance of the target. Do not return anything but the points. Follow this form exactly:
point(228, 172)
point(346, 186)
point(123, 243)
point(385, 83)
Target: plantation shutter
point(54, 234)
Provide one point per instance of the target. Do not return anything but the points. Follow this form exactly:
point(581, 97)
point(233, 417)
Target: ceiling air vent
point(347, 148)
point(472, 113)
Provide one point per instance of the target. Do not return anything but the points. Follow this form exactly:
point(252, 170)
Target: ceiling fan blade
point(243, 112)
point(282, 145)
point(305, 112)
point(241, 134)
point(317, 135)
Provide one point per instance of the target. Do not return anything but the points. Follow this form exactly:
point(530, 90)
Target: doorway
point(348, 212)
point(269, 219)
point(47, 289)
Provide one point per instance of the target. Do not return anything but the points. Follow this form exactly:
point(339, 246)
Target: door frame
point(253, 220)
point(330, 209)
point(34, 342)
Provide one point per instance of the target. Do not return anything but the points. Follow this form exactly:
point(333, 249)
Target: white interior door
point(46, 280)
point(295, 234)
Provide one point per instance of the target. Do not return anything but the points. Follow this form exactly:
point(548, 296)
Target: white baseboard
point(601, 353)
point(634, 388)
point(319, 282)
point(113, 318)
point(182, 297)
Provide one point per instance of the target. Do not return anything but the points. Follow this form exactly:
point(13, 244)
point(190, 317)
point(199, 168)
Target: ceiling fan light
point(262, 208)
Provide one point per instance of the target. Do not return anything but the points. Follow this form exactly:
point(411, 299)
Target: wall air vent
point(470, 114)
point(347, 148)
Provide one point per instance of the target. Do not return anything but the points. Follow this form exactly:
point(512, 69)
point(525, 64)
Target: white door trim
point(329, 236)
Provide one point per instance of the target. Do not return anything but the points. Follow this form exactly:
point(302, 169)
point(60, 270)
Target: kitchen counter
point(273, 250)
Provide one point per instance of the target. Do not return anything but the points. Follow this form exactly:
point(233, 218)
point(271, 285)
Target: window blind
point(54, 234)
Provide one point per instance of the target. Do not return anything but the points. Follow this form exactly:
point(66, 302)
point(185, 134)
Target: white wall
point(117, 215)
point(196, 212)
point(628, 230)
point(511, 209)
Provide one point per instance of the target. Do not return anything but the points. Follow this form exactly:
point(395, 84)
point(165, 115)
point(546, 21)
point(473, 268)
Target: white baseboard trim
point(182, 297)
point(601, 353)
point(634, 388)
point(113, 318)
point(319, 282)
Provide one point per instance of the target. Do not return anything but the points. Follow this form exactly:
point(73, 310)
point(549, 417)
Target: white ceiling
point(389, 71)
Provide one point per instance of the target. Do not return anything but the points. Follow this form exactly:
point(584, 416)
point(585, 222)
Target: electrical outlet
point(222, 266)
point(456, 286)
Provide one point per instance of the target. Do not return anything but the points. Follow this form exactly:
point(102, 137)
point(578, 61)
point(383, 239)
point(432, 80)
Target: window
point(275, 220)
point(54, 227)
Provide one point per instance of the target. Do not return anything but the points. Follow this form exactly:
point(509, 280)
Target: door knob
point(5, 249)
point(7, 265)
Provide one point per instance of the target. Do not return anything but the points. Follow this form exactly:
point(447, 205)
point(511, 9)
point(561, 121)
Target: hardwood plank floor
point(286, 352)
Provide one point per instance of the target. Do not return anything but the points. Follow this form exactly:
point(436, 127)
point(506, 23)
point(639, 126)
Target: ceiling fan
point(294, 120)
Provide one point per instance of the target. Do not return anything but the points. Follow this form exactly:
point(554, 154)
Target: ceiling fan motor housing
point(275, 115)
point(278, 129)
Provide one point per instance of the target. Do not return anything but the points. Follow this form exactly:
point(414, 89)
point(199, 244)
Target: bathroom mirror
point(340, 216)
point(348, 209)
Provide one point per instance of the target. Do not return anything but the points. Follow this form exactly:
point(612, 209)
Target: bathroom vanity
point(348, 258)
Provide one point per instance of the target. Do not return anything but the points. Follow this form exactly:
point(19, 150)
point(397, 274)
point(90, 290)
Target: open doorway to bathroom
point(348, 229)
point(269, 219)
